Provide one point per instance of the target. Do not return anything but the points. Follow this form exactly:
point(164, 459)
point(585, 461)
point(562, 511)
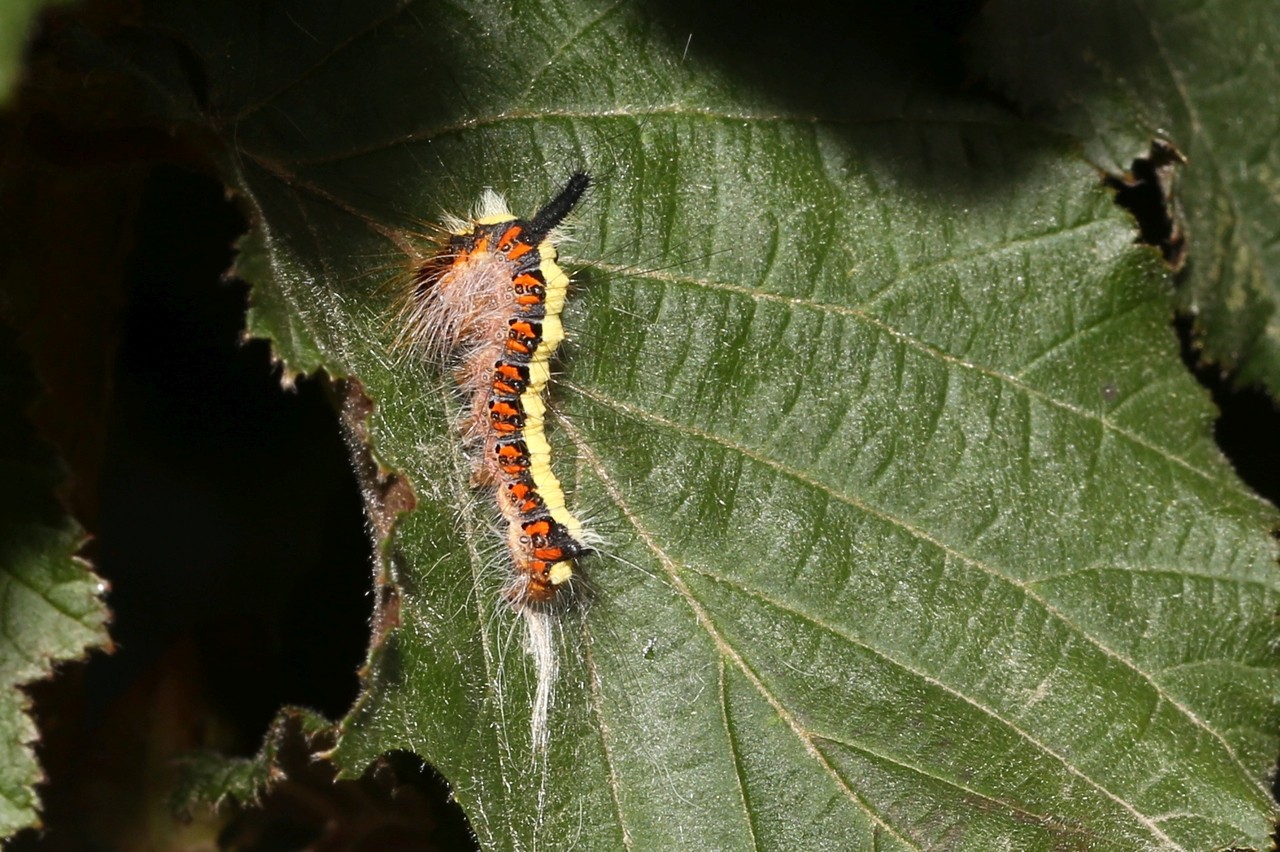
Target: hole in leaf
point(398, 803)
point(1148, 191)
point(1249, 422)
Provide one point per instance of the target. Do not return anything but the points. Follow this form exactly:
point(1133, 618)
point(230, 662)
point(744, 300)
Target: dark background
point(231, 531)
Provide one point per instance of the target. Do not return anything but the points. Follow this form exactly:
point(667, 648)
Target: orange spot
point(539, 527)
point(503, 409)
point(509, 453)
point(508, 236)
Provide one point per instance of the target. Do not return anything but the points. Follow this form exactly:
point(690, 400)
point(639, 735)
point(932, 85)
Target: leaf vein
point(952, 360)
point(736, 754)
point(922, 535)
point(606, 738)
point(704, 620)
point(355, 35)
point(762, 596)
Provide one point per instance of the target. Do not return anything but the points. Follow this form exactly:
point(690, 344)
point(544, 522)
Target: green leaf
point(916, 535)
point(1204, 76)
point(17, 21)
point(50, 608)
point(211, 779)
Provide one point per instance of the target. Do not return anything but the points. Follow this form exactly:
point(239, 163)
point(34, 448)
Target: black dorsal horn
point(556, 209)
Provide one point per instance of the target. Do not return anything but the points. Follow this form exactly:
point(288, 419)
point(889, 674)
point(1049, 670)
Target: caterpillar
point(489, 301)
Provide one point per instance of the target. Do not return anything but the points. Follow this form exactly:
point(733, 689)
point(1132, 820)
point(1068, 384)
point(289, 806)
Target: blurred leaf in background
point(50, 604)
point(17, 22)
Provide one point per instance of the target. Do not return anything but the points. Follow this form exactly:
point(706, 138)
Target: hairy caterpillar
point(488, 303)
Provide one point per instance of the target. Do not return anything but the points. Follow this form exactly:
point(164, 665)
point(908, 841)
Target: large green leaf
point(1202, 75)
point(916, 533)
point(49, 600)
